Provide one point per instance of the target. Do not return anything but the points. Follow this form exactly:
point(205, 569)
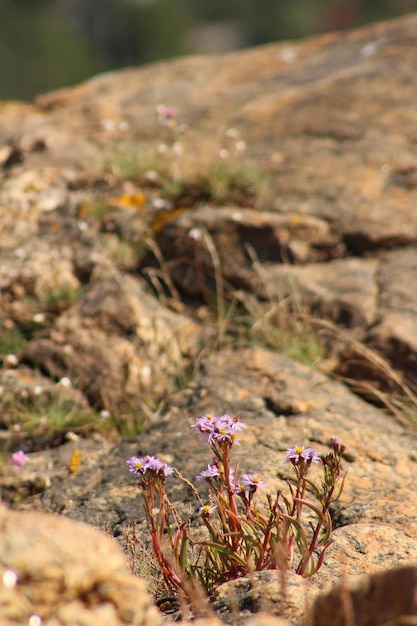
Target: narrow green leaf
point(232, 556)
point(311, 506)
point(299, 534)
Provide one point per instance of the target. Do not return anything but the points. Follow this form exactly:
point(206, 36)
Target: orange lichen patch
point(88, 209)
point(75, 461)
point(25, 378)
point(163, 217)
point(129, 200)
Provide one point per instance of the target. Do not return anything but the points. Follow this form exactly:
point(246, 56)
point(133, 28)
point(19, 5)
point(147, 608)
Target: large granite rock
point(66, 573)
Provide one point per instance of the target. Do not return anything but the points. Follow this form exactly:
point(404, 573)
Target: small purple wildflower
point(205, 426)
point(218, 429)
point(338, 447)
point(19, 458)
point(311, 455)
point(215, 471)
point(166, 115)
point(166, 112)
point(207, 509)
point(141, 465)
point(299, 454)
point(212, 471)
point(137, 465)
point(249, 482)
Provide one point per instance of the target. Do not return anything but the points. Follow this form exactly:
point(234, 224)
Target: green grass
point(287, 332)
point(130, 423)
point(138, 165)
point(12, 340)
point(61, 297)
point(46, 417)
point(221, 181)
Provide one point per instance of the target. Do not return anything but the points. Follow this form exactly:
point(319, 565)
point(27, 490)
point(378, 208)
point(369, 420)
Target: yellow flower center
point(299, 449)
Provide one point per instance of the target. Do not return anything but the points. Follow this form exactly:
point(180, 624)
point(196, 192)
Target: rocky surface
point(142, 286)
point(66, 573)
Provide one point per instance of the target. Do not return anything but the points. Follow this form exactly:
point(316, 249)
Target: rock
point(342, 182)
point(328, 290)
point(66, 573)
point(267, 391)
point(237, 233)
point(262, 619)
point(366, 548)
point(116, 343)
point(270, 592)
point(56, 465)
point(388, 597)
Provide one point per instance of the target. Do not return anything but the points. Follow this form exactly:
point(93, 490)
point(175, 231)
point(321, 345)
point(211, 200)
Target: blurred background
point(46, 44)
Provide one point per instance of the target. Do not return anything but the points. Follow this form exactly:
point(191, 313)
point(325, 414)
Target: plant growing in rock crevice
point(288, 531)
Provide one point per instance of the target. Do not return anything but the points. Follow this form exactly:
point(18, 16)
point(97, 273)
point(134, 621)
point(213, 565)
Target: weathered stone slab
point(115, 343)
point(66, 573)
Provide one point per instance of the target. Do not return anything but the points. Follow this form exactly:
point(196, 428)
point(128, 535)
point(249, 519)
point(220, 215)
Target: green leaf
point(299, 534)
point(232, 556)
point(183, 550)
point(311, 506)
point(317, 492)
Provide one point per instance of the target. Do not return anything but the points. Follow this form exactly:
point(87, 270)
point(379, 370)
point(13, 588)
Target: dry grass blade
point(396, 406)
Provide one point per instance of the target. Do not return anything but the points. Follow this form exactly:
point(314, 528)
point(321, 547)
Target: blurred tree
point(46, 44)
point(37, 49)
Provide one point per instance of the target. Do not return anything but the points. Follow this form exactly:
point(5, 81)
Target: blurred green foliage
point(45, 44)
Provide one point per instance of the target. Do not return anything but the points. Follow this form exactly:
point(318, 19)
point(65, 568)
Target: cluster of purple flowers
point(149, 466)
point(237, 528)
point(246, 483)
point(218, 429)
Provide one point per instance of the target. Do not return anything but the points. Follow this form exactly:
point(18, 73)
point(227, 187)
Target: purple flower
point(137, 465)
point(142, 465)
point(311, 455)
point(166, 112)
point(212, 471)
point(338, 447)
point(206, 426)
point(215, 471)
point(218, 429)
point(249, 482)
point(299, 454)
point(19, 459)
